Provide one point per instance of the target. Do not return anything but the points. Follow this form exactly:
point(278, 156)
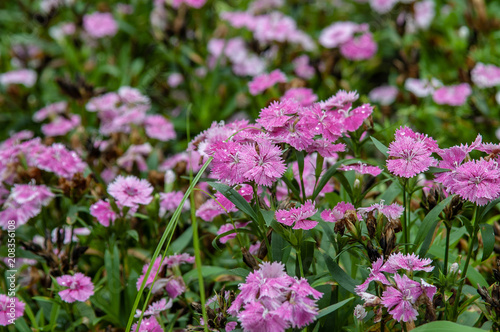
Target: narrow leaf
point(339, 275)
point(426, 230)
point(488, 235)
point(381, 147)
point(236, 199)
point(328, 310)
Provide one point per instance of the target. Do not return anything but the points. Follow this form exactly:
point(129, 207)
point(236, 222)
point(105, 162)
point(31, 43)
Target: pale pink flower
point(485, 76)
point(155, 308)
point(67, 234)
point(158, 127)
point(384, 95)
point(175, 79)
point(338, 212)
point(80, 288)
point(176, 260)
point(337, 34)
point(298, 216)
point(209, 210)
point(262, 82)
point(408, 262)
point(135, 154)
point(171, 200)
point(10, 309)
point(101, 210)
point(424, 12)
point(453, 95)
point(302, 68)
point(421, 87)
point(376, 274)
point(304, 96)
point(50, 110)
point(157, 265)
point(26, 77)
point(361, 168)
point(391, 212)
point(175, 286)
point(382, 6)
point(131, 191)
point(99, 25)
point(61, 125)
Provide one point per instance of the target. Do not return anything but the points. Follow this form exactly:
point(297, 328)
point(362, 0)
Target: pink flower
point(158, 127)
point(400, 301)
point(256, 317)
point(391, 212)
point(10, 309)
point(131, 191)
point(302, 68)
point(298, 216)
point(262, 162)
point(337, 34)
point(227, 165)
point(421, 87)
point(485, 76)
point(361, 168)
point(209, 210)
point(262, 82)
point(59, 160)
point(174, 80)
point(190, 3)
point(175, 286)
point(152, 274)
point(338, 212)
point(304, 96)
point(359, 48)
point(101, 210)
point(170, 201)
point(135, 154)
point(278, 114)
point(453, 95)
point(382, 6)
point(176, 260)
point(424, 13)
point(26, 77)
point(410, 154)
point(408, 262)
point(100, 25)
point(31, 194)
point(227, 228)
point(155, 308)
point(477, 181)
point(148, 325)
point(375, 275)
point(61, 125)
point(50, 110)
point(65, 233)
point(384, 95)
point(80, 288)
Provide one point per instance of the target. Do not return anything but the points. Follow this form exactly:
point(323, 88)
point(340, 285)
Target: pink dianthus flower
point(131, 191)
point(453, 95)
point(359, 48)
point(80, 288)
point(485, 76)
point(262, 82)
point(7, 315)
point(99, 25)
point(262, 163)
point(158, 127)
point(298, 216)
point(101, 210)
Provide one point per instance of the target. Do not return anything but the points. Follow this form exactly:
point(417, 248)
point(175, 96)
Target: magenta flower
point(262, 82)
point(278, 114)
point(151, 276)
point(298, 216)
point(477, 181)
point(10, 309)
point(209, 210)
point(400, 301)
point(131, 191)
point(148, 325)
point(80, 288)
point(61, 125)
point(59, 160)
point(227, 165)
point(410, 154)
point(175, 286)
point(337, 34)
point(391, 212)
point(155, 308)
point(363, 47)
point(102, 211)
point(453, 95)
point(227, 228)
point(256, 317)
point(302, 68)
point(99, 25)
point(338, 212)
point(262, 163)
point(408, 262)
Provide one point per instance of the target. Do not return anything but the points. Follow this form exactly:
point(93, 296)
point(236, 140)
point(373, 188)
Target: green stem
point(301, 268)
point(472, 239)
point(447, 248)
point(404, 225)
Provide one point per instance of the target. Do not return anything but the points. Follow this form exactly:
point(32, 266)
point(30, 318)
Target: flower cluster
point(355, 40)
point(274, 301)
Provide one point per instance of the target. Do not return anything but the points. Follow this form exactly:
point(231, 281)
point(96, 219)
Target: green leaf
point(328, 310)
point(487, 208)
point(291, 186)
point(182, 241)
point(236, 199)
point(239, 271)
point(278, 244)
point(445, 326)
point(229, 232)
point(339, 275)
point(133, 234)
point(21, 325)
point(114, 286)
point(427, 227)
point(381, 147)
point(488, 235)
